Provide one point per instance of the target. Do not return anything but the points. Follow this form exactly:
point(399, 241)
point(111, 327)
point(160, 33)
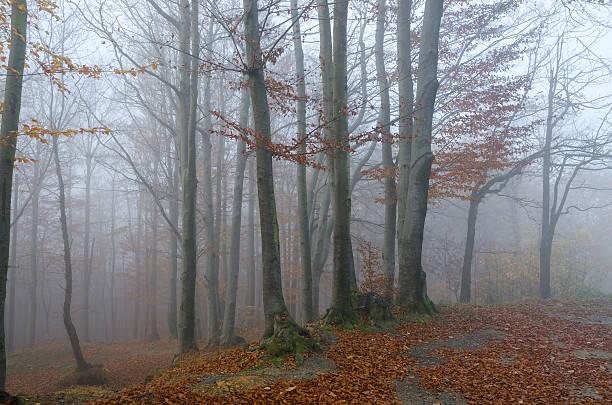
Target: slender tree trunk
point(340, 310)
point(86, 248)
point(321, 249)
point(546, 230)
point(275, 309)
point(8, 133)
point(211, 237)
point(174, 217)
point(251, 259)
point(412, 294)
point(153, 332)
point(72, 334)
point(113, 304)
point(138, 262)
point(384, 125)
point(10, 347)
point(34, 253)
point(229, 316)
point(466, 272)
point(188, 120)
point(218, 229)
point(304, 227)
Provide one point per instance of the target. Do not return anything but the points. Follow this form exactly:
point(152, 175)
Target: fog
point(524, 105)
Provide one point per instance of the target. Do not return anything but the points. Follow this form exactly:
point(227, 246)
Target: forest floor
point(532, 352)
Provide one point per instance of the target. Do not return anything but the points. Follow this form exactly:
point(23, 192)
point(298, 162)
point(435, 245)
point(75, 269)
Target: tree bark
point(8, 133)
point(340, 310)
point(187, 115)
point(34, 253)
point(153, 332)
point(113, 304)
point(174, 218)
point(70, 329)
point(274, 303)
point(466, 272)
point(306, 310)
point(546, 231)
point(412, 294)
point(384, 126)
point(212, 267)
point(405, 109)
point(229, 316)
point(87, 268)
point(321, 249)
point(251, 259)
point(13, 271)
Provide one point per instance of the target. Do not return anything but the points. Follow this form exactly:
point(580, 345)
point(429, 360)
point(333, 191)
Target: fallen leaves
point(532, 353)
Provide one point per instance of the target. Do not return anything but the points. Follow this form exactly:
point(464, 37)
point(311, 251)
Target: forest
point(371, 202)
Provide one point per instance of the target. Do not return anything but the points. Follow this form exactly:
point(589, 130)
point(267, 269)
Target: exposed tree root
point(288, 339)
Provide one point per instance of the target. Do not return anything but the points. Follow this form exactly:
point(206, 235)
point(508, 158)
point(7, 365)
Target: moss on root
point(288, 339)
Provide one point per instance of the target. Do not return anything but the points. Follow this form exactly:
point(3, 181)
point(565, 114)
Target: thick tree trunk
point(72, 334)
point(412, 294)
point(229, 316)
point(340, 310)
point(188, 119)
point(384, 126)
point(546, 240)
point(466, 272)
point(405, 109)
point(8, 133)
point(304, 227)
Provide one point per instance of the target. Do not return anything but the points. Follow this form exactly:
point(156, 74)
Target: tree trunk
point(546, 231)
point(340, 310)
point(72, 334)
point(87, 268)
point(138, 261)
point(229, 316)
point(466, 272)
point(405, 109)
point(153, 332)
point(113, 304)
point(384, 126)
point(174, 217)
point(10, 347)
point(304, 229)
point(277, 318)
point(321, 249)
point(251, 259)
point(412, 294)
point(188, 119)
point(211, 237)
point(34, 252)
point(8, 133)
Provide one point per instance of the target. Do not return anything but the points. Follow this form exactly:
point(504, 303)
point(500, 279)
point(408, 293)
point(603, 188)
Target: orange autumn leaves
point(534, 358)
